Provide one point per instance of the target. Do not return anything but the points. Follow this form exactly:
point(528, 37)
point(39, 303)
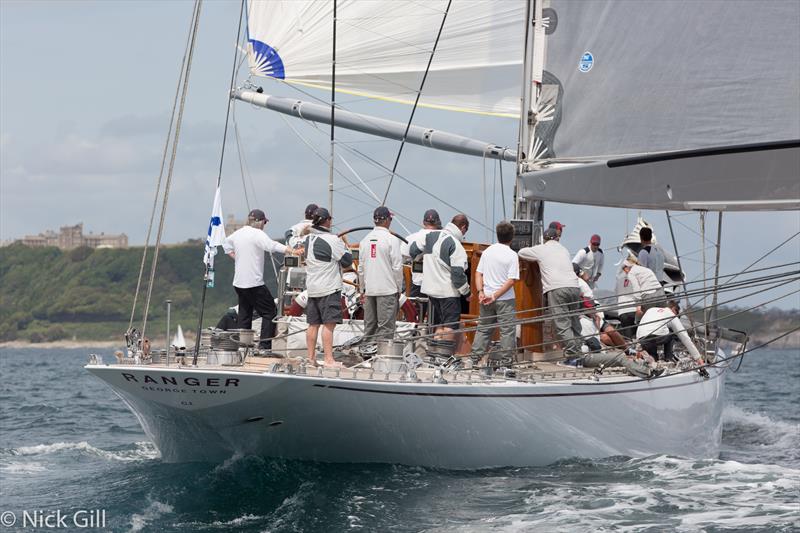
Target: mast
point(525, 206)
point(524, 130)
point(333, 109)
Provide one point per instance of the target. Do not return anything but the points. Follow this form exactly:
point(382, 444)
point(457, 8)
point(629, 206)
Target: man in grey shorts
point(326, 255)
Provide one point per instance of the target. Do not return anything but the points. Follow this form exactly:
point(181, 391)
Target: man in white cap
point(380, 269)
point(651, 293)
point(247, 246)
point(590, 260)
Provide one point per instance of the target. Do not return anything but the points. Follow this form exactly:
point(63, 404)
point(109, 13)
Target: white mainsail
point(672, 105)
point(382, 49)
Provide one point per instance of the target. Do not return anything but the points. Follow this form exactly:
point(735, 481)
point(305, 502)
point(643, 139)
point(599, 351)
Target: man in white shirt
point(659, 327)
point(560, 288)
point(497, 271)
point(650, 293)
point(651, 255)
point(296, 234)
point(326, 255)
point(627, 291)
point(590, 260)
point(430, 223)
point(380, 269)
point(247, 246)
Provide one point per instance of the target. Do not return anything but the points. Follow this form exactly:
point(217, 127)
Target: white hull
point(210, 414)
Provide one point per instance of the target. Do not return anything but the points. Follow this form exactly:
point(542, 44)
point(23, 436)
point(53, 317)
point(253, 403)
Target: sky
point(85, 96)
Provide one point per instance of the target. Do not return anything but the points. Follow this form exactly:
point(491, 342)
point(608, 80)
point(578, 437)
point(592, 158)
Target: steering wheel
point(363, 228)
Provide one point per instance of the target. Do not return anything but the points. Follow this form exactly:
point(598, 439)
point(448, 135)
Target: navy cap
point(321, 215)
point(432, 217)
point(310, 208)
point(257, 214)
point(381, 213)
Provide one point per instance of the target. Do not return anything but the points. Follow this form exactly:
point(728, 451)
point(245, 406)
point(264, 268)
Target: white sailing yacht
point(654, 105)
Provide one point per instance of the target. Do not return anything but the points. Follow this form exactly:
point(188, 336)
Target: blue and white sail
point(216, 231)
point(383, 47)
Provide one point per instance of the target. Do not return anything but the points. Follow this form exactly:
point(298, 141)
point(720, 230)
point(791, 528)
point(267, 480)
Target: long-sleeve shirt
point(248, 245)
point(380, 263)
point(294, 235)
point(658, 321)
point(627, 289)
point(647, 281)
point(326, 255)
point(554, 265)
point(444, 262)
point(405, 249)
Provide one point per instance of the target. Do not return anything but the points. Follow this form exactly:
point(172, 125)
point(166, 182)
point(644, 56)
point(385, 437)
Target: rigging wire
point(416, 101)
point(168, 183)
point(502, 190)
point(228, 108)
point(761, 258)
point(161, 170)
point(374, 162)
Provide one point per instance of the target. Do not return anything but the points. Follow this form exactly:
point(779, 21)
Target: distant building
point(70, 237)
point(231, 224)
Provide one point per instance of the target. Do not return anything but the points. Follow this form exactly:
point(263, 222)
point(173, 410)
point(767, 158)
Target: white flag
point(216, 231)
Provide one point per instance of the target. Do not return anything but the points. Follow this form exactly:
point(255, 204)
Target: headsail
point(650, 81)
point(383, 49)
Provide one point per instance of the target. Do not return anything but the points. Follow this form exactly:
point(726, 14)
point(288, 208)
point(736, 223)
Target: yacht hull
point(211, 414)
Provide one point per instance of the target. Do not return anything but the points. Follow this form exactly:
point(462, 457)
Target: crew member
point(560, 288)
point(627, 290)
point(650, 293)
point(590, 259)
point(497, 271)
point(592, 321)
point(559, 227)
point(430, 223)
point(651, 255)
point(380, 269)
point(445, 280)
point(247, 246)
point(326, 255)
point(295, 235)
point(654, 331)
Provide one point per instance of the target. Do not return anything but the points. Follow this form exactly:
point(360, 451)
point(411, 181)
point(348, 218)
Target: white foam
point(22, 468)
point(143, 451)
point(237, 521)
point(779, 433)
point(153, 511)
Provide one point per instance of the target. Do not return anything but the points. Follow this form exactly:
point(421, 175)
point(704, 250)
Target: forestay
point(382, 49)
point(634, 78)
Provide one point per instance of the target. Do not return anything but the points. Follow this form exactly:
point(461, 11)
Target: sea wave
point(22, 468)
point(154, 511)
point(141, 451)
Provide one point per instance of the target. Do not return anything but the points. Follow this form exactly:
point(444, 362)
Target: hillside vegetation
point(85, 294)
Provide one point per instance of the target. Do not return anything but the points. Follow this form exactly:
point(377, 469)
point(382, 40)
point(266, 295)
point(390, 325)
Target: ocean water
point(67, 443)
